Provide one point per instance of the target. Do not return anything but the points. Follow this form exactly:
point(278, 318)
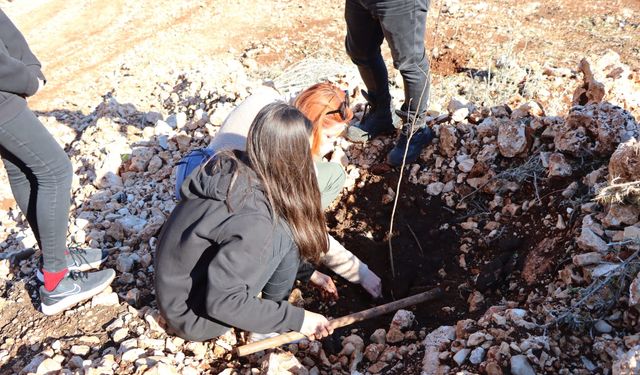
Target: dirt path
point(95, 47)
point(91, 48)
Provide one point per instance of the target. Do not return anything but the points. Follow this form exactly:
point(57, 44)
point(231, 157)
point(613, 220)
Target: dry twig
point(404, 156)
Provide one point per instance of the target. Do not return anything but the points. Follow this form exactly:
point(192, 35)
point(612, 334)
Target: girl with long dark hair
point(328, 109)
point(230, 251)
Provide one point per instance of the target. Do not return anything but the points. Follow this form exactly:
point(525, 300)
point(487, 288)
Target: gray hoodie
point(19, 70)
point(211, 262)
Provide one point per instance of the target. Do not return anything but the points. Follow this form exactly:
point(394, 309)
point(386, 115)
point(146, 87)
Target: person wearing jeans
point(40, 174)
point(402, 23)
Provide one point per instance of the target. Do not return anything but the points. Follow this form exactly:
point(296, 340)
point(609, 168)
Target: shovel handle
point(344, 321)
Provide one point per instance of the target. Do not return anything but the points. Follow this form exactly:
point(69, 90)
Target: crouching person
point(246, 222)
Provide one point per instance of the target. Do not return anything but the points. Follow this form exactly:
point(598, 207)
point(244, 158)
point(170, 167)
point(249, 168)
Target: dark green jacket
point(19, 70)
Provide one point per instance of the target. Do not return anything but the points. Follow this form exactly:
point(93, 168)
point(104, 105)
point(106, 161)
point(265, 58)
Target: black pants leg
point(363, 41)
point(402, 23)
point(281, 282)
point(40, 174)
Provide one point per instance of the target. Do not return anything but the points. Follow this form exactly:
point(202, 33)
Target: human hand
point(325, 284)
point(372, 284)
point(315, 326)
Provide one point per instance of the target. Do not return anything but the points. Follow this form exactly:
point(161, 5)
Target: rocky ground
point(500, 211)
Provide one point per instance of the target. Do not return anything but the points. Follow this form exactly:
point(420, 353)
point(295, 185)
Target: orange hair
point(315, 102)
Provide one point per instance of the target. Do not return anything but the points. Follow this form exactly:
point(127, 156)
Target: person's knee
point(412, 64)
point(339, 176)
point(359, 55)
point(334, 179)
point(63, 171)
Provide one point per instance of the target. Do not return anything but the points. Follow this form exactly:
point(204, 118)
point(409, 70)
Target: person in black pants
point(402, 23)
point(40, 174)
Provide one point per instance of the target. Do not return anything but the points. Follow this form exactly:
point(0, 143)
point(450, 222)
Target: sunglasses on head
point(344, 105)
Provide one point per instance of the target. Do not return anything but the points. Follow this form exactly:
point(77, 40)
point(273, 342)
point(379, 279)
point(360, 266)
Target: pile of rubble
point(505, 158)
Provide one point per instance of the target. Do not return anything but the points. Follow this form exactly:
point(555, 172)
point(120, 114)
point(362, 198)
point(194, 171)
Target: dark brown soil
point(510, 266)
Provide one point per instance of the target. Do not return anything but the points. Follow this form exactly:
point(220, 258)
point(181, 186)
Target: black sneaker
point(74, 288)
point(377, 120)
point(81, 260)
point(419, 140)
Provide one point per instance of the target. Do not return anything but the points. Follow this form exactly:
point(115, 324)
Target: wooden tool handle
point(286, 338)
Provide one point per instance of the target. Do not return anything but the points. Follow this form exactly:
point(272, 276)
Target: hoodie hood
point(213, 179)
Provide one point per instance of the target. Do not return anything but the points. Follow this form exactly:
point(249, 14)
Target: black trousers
point(40, 174)
point(402, 23)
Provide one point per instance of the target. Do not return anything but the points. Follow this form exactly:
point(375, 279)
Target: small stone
point(590, 241)
point(377, 367)
point(132, 354)
point(197, 348)
point(464, 328)
point(475, 300)
point(154, 164)
point(76, 362)
point(152, 117)
point(466, 165)
point(558, 166)
point(435, 188)
point(634, 291)
point(132, 224)
point(394, 335)
point(48, 366)
point(161, 368)
point(461, 356)
point(283, 363)
point(571, 190)
point(119, 335)
point(105, 299)
point(476, 339)
point(499, 319)
point(132, 296)
point(177, 120)
point(128, 344)
point(448, 140)
point(619, 215)
point(373, 351)
point(155, 321)
point(586, 259)
point(81, 350)
point(520, 366)
point(603, 327)
point(162, 128)
point(492, 368)
point(632, 233)
point(512, 138)
point(560, 223)
point(379, 336)
point(403, 319)
point(477, 355)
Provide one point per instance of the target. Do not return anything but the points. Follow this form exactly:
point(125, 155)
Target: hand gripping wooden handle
point(286, 338)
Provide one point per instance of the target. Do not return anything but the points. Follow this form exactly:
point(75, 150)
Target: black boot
point(420, 133)
point(376, 120)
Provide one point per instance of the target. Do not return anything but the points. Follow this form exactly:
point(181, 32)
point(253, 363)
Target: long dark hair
point(279, 153)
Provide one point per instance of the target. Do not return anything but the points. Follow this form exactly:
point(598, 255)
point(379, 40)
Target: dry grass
point(620, 192)
point(597, 299)
point(312, 70)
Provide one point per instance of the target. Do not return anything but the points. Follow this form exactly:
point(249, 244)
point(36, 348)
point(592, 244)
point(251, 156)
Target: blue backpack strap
point(191, 161)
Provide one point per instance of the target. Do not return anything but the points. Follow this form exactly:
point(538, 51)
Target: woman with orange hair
point(327, 107)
